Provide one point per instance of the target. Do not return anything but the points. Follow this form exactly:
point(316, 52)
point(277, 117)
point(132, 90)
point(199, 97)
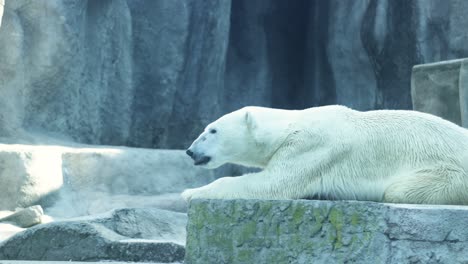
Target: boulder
point(26, 217)
point(136, 235)
point(307, 231)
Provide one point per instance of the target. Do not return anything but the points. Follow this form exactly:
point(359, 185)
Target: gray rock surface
point(26, 217)
point(141, 235)
point(28, 175)
point(75, 180)
point(305, 231)
point(441, 89)
point(154, 73)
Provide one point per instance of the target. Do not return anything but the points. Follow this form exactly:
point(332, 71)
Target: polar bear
point(334, 152)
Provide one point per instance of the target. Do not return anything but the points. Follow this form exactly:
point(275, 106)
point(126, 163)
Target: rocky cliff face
point(154, 73)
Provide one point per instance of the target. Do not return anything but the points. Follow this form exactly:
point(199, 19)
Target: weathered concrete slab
point(442, 89)
point(304, 231)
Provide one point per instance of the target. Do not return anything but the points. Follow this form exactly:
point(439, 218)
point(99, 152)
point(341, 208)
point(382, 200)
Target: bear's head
point(233, 138)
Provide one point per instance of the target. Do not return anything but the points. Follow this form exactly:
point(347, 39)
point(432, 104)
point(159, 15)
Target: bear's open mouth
point(203, 160)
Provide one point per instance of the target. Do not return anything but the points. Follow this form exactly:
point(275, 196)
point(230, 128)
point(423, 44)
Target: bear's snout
point(189, 152)
point(198, 159)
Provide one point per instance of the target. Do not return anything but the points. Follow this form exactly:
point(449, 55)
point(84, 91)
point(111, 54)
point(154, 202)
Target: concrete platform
point(306, 231)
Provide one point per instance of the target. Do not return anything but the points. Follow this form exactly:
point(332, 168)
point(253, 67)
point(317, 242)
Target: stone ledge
point(79, 179)
point(308, 231)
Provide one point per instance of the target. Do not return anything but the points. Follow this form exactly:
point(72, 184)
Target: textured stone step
point(305, 231)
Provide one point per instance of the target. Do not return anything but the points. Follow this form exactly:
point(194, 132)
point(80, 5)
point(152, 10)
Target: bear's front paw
point(196, 193)
point(219, 189)
point(201, 193)
point(187, 194)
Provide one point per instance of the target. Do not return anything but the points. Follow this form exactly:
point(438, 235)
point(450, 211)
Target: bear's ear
point(249, 120)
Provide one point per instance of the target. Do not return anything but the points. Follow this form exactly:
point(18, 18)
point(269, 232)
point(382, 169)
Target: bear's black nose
point(189, 152)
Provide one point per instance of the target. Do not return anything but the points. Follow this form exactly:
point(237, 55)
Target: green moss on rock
point(336, 219)
point(298, 215)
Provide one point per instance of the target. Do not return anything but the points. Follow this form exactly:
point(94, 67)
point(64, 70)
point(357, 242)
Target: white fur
point(334, 152)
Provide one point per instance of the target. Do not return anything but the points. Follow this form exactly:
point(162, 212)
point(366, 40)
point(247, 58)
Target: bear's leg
point(259, 185)
point(446, 184)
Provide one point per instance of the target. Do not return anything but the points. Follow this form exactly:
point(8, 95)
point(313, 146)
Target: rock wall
point(301, 231)
point(442, 89)
point(154, 73)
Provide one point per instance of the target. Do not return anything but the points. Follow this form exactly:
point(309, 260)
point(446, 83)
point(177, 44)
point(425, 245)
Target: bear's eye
point(213, 131)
